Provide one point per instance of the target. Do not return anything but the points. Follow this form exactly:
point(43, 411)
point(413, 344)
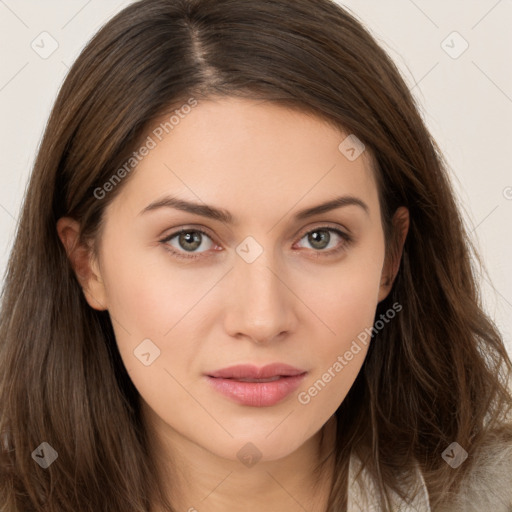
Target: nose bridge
point(261, 303)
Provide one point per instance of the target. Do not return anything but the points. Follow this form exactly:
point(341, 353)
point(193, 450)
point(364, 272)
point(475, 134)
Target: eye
point(322, 240)
point(188, 241)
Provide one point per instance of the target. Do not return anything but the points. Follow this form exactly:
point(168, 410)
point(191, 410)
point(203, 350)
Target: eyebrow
point(222, 215)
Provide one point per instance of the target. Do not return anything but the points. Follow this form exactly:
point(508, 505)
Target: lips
point(257, 387)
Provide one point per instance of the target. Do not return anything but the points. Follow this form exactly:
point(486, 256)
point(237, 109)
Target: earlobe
point(84, 264)
point(392, 263)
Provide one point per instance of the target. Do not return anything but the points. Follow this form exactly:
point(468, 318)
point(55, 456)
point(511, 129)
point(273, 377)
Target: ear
point(392, 263)
point(83, 262)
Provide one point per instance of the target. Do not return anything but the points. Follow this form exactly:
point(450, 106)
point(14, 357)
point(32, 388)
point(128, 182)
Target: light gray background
point(466, 102)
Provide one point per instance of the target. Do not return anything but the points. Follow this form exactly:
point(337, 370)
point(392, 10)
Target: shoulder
point(364, 497)
point(488, 484)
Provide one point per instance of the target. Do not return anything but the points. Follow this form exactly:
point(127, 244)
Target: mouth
point(270, 379)
point(257, 387)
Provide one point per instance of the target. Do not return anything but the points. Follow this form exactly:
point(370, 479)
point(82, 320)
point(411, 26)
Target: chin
point(264, 446)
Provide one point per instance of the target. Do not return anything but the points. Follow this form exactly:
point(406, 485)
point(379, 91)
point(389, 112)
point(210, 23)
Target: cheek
point(146, 300)
point(147, 293)
point(346, 303)
point(349, 311)
point(347, 297)
point(155, 303)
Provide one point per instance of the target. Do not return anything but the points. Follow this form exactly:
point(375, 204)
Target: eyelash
point(347, 240)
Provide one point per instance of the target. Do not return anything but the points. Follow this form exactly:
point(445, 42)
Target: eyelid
point(323, 225)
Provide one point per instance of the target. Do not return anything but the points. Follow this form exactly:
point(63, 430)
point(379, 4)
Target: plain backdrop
point(453, 54)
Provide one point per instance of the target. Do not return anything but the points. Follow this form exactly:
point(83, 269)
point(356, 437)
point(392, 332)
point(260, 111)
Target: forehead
point(251, 156)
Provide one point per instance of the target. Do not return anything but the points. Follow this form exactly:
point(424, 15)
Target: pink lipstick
point(257, 387)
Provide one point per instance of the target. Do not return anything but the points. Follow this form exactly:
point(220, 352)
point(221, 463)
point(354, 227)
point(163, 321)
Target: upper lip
point(246, 371)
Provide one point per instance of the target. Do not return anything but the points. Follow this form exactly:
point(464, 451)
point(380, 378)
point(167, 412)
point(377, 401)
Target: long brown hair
point(437, 374)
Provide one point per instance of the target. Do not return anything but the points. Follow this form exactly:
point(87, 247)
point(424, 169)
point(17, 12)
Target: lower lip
point(257, 394)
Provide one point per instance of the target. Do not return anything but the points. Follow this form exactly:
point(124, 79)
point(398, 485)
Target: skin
point(293, 304)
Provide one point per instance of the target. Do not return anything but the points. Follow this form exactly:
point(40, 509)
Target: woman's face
point(262, 283)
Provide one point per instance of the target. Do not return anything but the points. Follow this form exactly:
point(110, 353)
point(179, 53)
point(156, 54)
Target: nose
point(262, 305)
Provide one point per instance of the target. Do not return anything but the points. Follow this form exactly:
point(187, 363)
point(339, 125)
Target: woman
point(241, 281)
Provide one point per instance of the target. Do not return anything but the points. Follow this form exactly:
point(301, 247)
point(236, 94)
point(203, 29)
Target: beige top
point(487, 487)
point(363, 494)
